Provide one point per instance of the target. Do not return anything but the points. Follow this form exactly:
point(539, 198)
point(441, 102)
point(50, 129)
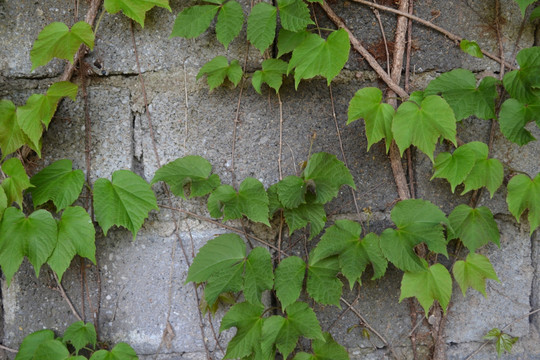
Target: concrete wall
point(142, 282)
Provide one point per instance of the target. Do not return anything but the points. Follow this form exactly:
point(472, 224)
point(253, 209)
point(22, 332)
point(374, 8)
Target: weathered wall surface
point(142, 282)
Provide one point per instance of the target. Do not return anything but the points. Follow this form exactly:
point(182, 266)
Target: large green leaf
point(51, 350)
point(272, 73)
point(422, 124)
point(486, 172)
point(34, 236)
point(513, 117)
point(458, 88)
point(218, 69)
point(343, 239)
point(80, 334)
point(475, 227)
point(294, 14)
point(57, 40)
point(121, 351)
point(192, 172)
point(16, 182)
point(290, 274)
point(261, 27)
point(11, 135)
point(315, 56)
point(259, 275)
point(194, 20)
point(524, 194)
point(135, 9)
point(378, 116)
point(57, 182)
point(524, 84)
point(289, 40)
point(229, 22)
point(250, 200)
point(126, 201)
point(432, 283)
point(247, 319)
point(323, 285)
point(473, 272)
point(76, 235)
point(31, 343)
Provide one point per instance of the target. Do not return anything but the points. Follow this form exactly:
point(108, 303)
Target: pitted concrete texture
point(143, 298)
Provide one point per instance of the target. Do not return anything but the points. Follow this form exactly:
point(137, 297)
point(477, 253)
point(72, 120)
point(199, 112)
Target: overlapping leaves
point(217, 69)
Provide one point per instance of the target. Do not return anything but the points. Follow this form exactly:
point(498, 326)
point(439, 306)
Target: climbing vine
point(53, 230)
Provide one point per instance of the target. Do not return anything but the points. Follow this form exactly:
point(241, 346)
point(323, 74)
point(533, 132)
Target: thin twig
point(66, 298)
point(343, 313)
point(381, 27)
point(8, 349)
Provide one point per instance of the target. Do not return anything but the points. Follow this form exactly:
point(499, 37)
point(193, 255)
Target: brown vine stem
point(8, 349)
point(66, 298)
point(381, 27)
point(429, 24)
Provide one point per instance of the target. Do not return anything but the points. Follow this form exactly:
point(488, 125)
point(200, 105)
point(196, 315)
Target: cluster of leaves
point(43, 344)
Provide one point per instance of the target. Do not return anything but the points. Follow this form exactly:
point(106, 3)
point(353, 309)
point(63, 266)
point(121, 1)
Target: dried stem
point(66, 298)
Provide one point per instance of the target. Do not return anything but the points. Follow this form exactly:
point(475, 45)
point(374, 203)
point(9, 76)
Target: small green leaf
point(309, 213)
point(423, 125)
point(259, 275)
point(294, 14)
point(524, 84)
point(458, 88)
point(76, 235)
point(121, 351)
point(513, 117)
point(135, 9)
point(247, 319)
point(328, 349)
point(290, 275)
point(366, 104)
point(523, 4)
point(31, 343)
point(503, 342)
point(57, 182)
point(250, 201)
point(11, 135)
point(523, 194)
point(126, 201)
point(486, 172)
point(218, 69)
point(192, 172)
point(229, 22)
point(62, 89)
point(38, 110)
point(475, 227)
point(535, 14)
point(193, 21)
point(471, 48)
point(473, 272)
point(315, 56)
point(323, 285)
point(432, 283)
point(80, 334)
point(57, 40)
point(289, 40)
point(16, 182)
point(261, 27)
point(272, 73)
point(34, 236)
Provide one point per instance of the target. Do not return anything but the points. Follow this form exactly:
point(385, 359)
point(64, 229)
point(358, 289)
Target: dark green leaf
point(289, 40)
point(248, 322)
point(475, 227)
point(194, 20)
point(229, 22)
point(259, 275)
point(323, 285)
point(471, 48)
point(80, 334)
point(535, 14)
point(135, 9)
point(290, 275)
point(31, 342)
point(513, 117)
point(218, 69)
point(225, 280)
point(524, 84)
point(261, 28)
point(272, 73)
point(486, 172)
point(524, 194)
point(16, 182)
point(328, 349)
point(3, 202)
point(309, 213)
point(294, 14)
point(11, 135)
point(121, 351)
point(399, 249)
point(292, 191)
point(473, 272)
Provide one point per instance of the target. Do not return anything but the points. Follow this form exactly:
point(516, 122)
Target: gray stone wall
point(142, 281)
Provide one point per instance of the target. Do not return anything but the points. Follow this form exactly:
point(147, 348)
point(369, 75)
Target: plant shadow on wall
point(431, 248)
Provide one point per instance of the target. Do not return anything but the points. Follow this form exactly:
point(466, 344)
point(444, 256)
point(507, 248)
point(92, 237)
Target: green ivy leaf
point(323, 285)
point(126, 201)
point(218, 69)
point(247, 319)
point(259, 275)
point(191, 172)
point(57, 182)
point(399, 250)
point(31, 343)
point(193, 21)
point(523, 4)
point(471, 48)
point(289, 40)
point(135, 9)
point(76, 235)
point(250, 200)
point(294, 14)
point(315, 56)
point(273, 200)
point(285, 332)
point(486, 172)
point(62, 89)
point(51, 350)
point(309, 213)
point(80, 334)
point(354, 254)
point(535, 14)
point(225, 280)
point(503, 342)
point(378, 116)
point(229, 22)
point(457, 166)
point(458, 88)
point(261, 26)
point(423, 125)
point(523, 194)
point(220, 253)
point(432, 283)
point(524, 84)
point(34, 236)
point(121, 351)
point(513, 117)
point(290, 275)
point(328, 349)
point(473, 272)
point(16, 182)
point(57, 40)
point(475, 227)
point(292, 191)
point(272, 73)
point(11, 135)
point(3, 202)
